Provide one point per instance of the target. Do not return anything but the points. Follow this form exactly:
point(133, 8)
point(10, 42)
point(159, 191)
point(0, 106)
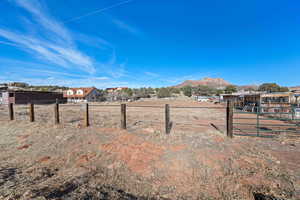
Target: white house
point(82, 94)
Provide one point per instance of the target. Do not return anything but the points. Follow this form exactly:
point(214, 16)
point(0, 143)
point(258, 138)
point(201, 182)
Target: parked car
point(203, 99)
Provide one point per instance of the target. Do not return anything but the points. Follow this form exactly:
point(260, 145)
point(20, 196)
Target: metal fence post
point(123, 116)
point(167, 118)
point(86, 115)
point(56, 112)
point(31, 112)
point(11, 111)
point(229, 119)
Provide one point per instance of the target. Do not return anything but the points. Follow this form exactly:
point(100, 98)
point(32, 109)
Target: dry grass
point(68, 161)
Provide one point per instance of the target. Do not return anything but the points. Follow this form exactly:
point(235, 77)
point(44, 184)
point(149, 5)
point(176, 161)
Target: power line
point(98, 11)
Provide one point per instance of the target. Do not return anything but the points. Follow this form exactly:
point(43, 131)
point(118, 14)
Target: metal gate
point(266, 121)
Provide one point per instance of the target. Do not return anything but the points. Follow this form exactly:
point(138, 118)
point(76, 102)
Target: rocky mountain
point(211, 82)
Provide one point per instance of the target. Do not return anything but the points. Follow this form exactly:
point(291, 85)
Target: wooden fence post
point(293, 112)
point(31, 112)
point(86, 115)
point(56, 112)
point(167, 118)
point(123, 116)
point(229, 118)
point(11, 111)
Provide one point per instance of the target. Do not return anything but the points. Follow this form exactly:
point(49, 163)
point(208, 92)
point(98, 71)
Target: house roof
point(278, 94)
point(86, 91)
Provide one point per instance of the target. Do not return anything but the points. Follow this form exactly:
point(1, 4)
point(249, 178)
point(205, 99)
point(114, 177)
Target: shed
point(36, 97)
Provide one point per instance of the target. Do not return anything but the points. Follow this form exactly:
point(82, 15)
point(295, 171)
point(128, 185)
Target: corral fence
point(266, 121)
point(226, 119)
point(164, 118)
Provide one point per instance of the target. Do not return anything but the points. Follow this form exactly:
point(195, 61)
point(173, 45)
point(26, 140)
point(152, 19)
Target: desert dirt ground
point(196, 160)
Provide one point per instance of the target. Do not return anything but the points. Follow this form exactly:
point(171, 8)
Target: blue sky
point(136, 43)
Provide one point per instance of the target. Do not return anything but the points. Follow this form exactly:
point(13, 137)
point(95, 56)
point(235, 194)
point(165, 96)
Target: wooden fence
point(123, 120)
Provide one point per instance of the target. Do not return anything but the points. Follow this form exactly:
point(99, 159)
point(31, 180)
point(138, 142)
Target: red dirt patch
point(44, 159)
point(23, 137)
point(218, 139)
point(26, 146)
point(213, 159)
point(137, 154)
point(83, 159)
point(177, 147)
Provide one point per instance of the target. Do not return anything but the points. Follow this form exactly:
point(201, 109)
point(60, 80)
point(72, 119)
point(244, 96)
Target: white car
point(203, 99)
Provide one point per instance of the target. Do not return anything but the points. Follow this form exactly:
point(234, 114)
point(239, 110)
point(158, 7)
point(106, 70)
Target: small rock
point(278, 162)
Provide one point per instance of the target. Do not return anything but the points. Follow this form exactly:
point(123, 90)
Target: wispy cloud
point(93, 41)
point(9, 44)
point(59, 56)
point(40, 15)
point(53, 80)
point(126, 27)
point(66, 74)
point(52, 42)
point(113, 67)
point(30, 69)
point(151, 74)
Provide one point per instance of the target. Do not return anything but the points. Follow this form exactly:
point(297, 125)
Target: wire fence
point(21, 113)
point(198, 119)
point(105, 116)
point(4, 112)
point(146, 118)
point(261, 121)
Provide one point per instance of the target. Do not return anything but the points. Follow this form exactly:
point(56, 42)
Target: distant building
point(297, 98)
point(117, 89)
point(229, 97)
point(36, 97)
point(3, 87)
point(82, 94)
point(262, 98)
point(277, 97)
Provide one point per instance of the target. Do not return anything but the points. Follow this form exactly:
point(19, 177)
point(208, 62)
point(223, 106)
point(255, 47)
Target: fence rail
point(130, 116)
point(264, 121)
point(231, 121)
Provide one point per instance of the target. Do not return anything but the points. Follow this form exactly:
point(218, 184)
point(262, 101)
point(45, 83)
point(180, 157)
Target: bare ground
point(196, 161)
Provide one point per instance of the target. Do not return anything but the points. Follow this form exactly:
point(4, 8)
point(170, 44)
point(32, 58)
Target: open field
point(41, 160)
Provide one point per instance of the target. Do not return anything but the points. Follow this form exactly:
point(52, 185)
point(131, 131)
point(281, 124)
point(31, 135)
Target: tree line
point(163, 92)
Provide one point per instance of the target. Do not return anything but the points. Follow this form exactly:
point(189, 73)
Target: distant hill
point(210, 82)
